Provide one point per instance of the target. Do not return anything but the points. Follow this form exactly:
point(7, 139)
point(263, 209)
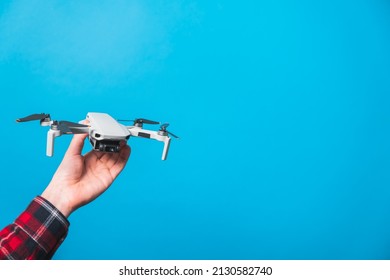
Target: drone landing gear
point(51, 134)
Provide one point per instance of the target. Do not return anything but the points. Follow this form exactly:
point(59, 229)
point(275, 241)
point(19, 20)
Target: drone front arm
point(53, 133)
point(149, 134)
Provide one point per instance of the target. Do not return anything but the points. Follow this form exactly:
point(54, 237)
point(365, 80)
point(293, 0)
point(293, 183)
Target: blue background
point(282, 108)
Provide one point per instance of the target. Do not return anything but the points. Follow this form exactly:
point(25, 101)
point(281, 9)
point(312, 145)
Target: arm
point(35, 234)
point(80, 179)
point(77, 181)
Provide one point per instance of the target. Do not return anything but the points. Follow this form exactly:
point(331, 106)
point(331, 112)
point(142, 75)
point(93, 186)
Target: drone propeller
point(163, 128)
point(73, 124)
point(63, 127)
point(67, 127)
point(34, 117)
point(140, 121)
point(145, 121)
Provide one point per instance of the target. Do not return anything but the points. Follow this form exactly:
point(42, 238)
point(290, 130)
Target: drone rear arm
point(149, 134)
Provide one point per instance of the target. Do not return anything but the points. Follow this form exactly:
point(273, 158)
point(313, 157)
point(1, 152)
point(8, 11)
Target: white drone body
point(104, 132)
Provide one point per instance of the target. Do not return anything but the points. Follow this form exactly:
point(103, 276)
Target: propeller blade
point(64, 128)
point(140, 120)
point(145, 121)
point(170, 133)
point(70, 127)
point(73, 124)
point(34, 117)
point(164, 126)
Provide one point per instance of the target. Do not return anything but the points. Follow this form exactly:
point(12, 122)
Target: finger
point(76, 145)
point(121, 161)
point(94, 154)
point(109, 159)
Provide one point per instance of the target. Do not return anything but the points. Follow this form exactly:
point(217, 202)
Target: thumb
point(76, 145)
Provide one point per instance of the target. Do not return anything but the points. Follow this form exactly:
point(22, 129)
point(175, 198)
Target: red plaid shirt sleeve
point(35, 234)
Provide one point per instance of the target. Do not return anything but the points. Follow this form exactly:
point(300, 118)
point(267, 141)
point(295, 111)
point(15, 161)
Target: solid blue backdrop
point(282, 108)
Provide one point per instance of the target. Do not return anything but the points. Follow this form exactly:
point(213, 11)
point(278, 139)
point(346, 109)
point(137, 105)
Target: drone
point(104, 132)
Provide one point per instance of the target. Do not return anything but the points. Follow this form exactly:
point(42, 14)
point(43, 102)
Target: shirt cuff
point(45, 224)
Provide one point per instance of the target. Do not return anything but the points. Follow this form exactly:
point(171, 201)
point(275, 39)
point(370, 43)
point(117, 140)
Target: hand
point(80, 179)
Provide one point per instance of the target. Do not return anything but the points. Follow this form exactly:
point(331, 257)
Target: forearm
point(55, 196)
point(35, 234)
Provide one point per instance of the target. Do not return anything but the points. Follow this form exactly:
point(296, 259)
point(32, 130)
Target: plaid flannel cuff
point(44, 223)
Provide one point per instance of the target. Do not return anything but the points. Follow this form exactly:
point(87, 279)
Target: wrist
point(58, 199)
